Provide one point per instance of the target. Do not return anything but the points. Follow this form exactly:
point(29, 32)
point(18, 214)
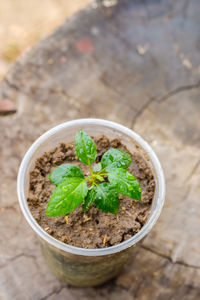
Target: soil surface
point(93, 229)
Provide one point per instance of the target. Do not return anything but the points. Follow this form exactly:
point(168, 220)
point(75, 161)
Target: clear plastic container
point(79, 266)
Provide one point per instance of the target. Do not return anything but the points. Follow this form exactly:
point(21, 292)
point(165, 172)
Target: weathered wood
point(136, 63)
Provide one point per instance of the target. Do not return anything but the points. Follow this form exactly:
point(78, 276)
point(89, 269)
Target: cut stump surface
point(136, 63)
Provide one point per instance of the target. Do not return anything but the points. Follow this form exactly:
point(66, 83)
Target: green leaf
point(64, 171)
point(125, 183)
point(85, 147)
point(97, 167)
point(88, 200)
point(115, 158)
point(106, 198)
point(66, 197)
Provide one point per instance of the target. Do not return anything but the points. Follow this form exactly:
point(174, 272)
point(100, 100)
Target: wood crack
point(179, 90)
point(185, 9)
point(162, 99)
point(11, 85)
point(18, 256)
point(113, 89)
point(60, 91)
point(192, 171)
point(141, 110)
point(54, 292)
point(137, 290)
point(169, 258)
point(65, 94)
point(10, 207)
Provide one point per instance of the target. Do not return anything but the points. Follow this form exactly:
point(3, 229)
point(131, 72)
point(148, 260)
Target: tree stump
point(136, 63)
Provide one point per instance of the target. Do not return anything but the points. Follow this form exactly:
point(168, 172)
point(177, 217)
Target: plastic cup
point(80, 266)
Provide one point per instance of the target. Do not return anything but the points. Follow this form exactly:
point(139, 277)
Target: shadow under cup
point(80, 266)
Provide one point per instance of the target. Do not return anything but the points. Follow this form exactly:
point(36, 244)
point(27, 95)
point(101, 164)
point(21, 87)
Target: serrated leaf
point(97, 167)
point(125, 183)
point(85, 147)
point(67, 196)
point(106, 198)
point(64, 171)
point(88, 200)
point(115, 158)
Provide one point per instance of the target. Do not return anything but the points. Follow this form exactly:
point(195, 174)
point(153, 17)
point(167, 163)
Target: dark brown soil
point(94, 229)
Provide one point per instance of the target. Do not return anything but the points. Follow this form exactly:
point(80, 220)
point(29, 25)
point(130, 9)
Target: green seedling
point(106, 181)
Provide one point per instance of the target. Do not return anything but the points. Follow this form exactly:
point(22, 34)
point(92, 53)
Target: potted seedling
point(90, 200)
point(73, 189)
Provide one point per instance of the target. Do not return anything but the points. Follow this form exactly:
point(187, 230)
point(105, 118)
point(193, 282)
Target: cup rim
point(101, 251)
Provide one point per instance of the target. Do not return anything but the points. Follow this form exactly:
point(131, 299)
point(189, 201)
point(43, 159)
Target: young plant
point(107, 179)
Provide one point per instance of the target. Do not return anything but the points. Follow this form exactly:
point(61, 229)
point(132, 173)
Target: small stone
point(65, 239)
point(50, 61)
point(63, 59)
point(142, 49)
point(94, 30)
point(7, 106)
point(85, 46)
point(109, 3)
point(187, 63)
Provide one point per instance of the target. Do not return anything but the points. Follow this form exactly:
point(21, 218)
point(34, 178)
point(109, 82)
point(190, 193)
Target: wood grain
point(137, 63)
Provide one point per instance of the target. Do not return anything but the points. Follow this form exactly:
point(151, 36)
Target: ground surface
point(136, 63)
point(24, 22)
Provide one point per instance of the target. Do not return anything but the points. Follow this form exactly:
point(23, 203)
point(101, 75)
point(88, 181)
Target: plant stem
point(102, 174)
point(88, 178)
point(91, 171)
point(99, 173)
